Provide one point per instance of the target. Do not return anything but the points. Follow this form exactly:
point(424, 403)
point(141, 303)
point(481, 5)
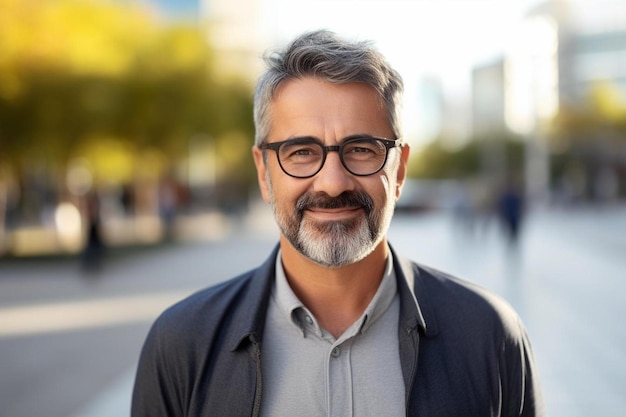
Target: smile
point(328, 214)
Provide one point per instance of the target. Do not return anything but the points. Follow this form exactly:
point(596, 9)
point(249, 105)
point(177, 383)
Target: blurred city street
point(127, 181)
point(69, 344)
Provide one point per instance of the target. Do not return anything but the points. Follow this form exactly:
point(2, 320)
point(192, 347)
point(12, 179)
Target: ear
point(261, 172)
point(402, 169)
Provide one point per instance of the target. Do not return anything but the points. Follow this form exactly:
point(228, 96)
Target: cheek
point(392, 180)
point(380, 189)
point(389, 177)
point(284, 191)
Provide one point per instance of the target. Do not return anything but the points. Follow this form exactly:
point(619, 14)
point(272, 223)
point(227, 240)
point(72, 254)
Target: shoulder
point(447, 301)
point(208, 301)
point(194, 341)
point(226, 311)
point(471, 334)
point(461, 293)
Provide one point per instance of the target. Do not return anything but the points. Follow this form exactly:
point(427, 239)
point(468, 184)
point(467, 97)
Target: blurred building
point(488, 98)
point(430, 99)
point(558, 53)
point(488, 118)
point(597, 57)
point(591, 45)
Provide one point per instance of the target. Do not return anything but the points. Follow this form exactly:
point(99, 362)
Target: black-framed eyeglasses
point(305, 157)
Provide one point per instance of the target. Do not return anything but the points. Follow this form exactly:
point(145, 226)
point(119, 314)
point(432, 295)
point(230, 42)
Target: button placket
point(340, 383)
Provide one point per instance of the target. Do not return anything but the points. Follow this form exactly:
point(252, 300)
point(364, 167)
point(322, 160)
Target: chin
point(336, 244)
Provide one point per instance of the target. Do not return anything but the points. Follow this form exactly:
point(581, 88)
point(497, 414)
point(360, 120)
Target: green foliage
point(74, 71)
point(588, 140)
point(602, 115)
point(438, 161)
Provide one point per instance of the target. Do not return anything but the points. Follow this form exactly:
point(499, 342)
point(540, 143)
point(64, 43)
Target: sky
point(441, 36)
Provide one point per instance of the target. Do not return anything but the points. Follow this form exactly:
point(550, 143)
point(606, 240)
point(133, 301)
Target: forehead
point(313, 107)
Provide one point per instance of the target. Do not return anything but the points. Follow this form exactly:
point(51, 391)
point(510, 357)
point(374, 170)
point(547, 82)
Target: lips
point(333, 210)
point(334, 214)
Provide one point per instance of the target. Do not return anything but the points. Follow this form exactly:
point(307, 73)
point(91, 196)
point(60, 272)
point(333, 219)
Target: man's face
point(333, 218)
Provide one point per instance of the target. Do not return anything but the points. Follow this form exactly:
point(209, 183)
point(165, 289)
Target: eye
point(363, 148)
point(303, 151)
point(360, 149)
point(300, 150)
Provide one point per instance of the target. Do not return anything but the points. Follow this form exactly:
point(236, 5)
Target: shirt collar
point(303, 319)
point(288, 302)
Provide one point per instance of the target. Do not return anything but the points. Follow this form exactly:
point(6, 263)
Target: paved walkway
point(566, 279)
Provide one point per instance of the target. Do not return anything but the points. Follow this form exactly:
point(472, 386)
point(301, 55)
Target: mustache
point(324, 201)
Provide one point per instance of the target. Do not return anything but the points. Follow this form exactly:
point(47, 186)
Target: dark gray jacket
point(464, 352)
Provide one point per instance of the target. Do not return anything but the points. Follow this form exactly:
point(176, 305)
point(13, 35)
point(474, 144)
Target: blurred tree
point(588, 142)
point(438, 161)
point(602, 111)
point(74, 72)
point(608, 104)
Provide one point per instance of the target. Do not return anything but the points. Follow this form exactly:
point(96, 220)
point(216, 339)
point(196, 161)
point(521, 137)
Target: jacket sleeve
point(523, 392)
point(155, 393)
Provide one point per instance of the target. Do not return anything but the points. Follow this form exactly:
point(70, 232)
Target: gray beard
point(332, 243)
point(335, 243)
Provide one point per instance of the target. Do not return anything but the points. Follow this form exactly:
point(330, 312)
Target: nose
point(333, 179)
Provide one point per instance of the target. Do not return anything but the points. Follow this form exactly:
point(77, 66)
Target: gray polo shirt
point(307, 372)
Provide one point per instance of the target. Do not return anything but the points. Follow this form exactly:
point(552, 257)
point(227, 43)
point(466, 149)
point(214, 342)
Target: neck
point(336, 296)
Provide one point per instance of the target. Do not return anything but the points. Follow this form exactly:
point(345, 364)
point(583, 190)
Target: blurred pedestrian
point(168, 206)
point(511, 211)
point(94, 248)
point(335, 322)
point(463, 210)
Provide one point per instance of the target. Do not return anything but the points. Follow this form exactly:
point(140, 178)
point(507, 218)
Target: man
point(335, 323)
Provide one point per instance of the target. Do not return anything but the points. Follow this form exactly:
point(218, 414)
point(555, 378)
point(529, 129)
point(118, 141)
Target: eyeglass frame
point(388, 143)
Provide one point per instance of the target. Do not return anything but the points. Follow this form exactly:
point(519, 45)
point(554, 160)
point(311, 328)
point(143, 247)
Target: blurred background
point(126, 178)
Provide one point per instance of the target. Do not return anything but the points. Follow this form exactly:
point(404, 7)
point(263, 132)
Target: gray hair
point(322, 54)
